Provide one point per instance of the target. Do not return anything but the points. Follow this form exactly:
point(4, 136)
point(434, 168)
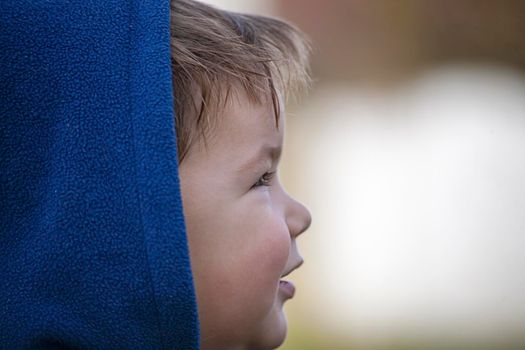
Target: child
point(231, 75)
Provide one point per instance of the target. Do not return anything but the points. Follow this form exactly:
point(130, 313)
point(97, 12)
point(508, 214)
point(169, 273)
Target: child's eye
point(264, 180)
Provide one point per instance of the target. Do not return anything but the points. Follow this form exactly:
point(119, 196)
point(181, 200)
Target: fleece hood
point(93, 249)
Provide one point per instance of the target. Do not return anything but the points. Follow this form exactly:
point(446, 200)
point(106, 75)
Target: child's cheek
point(270, 237)
point(274, 249)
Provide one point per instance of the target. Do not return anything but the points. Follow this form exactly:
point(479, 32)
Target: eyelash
point(264, 180)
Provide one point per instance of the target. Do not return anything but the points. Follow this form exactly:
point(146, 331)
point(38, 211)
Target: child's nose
point(298, 218)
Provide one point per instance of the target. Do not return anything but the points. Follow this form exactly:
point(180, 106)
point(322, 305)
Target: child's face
point(242, 227)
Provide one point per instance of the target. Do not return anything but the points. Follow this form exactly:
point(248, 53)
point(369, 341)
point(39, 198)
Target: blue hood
point(93, 249)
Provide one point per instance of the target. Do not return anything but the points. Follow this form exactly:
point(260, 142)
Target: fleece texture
point(93, 249)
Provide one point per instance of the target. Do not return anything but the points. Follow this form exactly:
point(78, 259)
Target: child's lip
point(293, 268)
point(287, 288)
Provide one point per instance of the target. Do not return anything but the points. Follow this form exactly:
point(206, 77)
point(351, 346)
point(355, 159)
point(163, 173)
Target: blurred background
point(410, 153)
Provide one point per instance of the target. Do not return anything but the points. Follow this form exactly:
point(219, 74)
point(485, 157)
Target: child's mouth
point(287, 288)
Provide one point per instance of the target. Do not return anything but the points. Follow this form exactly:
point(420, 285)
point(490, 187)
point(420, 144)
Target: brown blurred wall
point(389, 39)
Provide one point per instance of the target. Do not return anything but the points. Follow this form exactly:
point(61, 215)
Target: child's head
point(231, 76)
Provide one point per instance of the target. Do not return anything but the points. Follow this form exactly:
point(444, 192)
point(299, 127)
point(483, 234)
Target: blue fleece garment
point(93, 249)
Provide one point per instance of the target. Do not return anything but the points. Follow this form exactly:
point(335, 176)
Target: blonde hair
point(215, 51)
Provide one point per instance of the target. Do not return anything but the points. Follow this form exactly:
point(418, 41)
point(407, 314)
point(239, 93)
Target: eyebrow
point(265, 152)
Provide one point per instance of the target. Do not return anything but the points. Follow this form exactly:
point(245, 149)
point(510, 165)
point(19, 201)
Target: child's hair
point(213, 52)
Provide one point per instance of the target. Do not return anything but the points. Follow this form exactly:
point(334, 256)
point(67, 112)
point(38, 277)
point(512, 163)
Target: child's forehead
point(249, 128)
point(241, 128)
point(243, 113)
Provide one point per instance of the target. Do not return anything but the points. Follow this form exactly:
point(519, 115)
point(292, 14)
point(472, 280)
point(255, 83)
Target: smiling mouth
point(286, 287)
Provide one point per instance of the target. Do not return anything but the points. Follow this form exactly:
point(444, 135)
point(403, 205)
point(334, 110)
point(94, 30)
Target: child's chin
point(273, 334)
